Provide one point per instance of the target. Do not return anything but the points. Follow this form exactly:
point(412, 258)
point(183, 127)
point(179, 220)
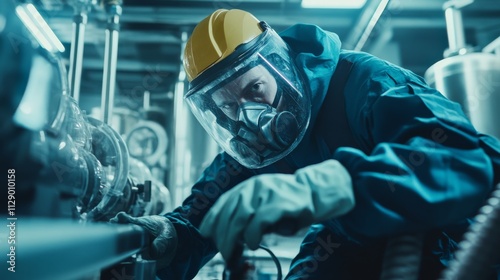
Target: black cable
point(238, 266)
point(276, 261)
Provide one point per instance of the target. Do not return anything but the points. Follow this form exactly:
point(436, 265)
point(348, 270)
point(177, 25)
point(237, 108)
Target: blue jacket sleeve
point(193, 251)
point(422, 164)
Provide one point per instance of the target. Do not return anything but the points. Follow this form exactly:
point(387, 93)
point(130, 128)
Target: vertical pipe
point(146, 103)
point(192, 148)
point(180, 133)
point(454, 28)
point(110, 56)
point(76, 54)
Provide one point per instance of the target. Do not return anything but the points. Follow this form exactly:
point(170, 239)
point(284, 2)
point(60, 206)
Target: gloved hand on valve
point(280, 203)
point(164, 237)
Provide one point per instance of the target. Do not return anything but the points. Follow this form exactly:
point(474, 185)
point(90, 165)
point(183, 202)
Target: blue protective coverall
point(416, 162)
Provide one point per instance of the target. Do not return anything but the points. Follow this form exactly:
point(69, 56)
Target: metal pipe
point(114, 11)
point(455, 26)
point(493, 47)
point(365, 24)
point(192, 148)
point(81, 9)
point(178, 146)
point(382, 5)
point(146, 100)
point(68, 249)
point(76, 54)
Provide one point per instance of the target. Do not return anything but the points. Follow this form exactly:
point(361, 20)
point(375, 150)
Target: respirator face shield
point(254, 103)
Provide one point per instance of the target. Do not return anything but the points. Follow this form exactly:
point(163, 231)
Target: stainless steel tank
point(473, 80)
point(469, 78)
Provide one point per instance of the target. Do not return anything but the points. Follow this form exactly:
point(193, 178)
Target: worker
point(355, 148)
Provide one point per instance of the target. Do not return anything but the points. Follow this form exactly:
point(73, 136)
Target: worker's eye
point(228, 106)
point(257, 87)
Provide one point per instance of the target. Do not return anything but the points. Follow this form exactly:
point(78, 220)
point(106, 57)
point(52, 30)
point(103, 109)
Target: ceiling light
point(333, 4)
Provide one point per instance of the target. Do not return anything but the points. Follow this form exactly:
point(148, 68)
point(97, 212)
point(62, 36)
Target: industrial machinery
point(82, 156)
point(69, 173)
point(467, 76)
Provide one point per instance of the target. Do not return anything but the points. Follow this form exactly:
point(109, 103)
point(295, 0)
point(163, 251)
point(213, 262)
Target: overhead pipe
point(81, 10)
point(367, 22)
point(114, 10)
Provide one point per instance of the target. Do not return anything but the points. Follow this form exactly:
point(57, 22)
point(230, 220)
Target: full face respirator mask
point(261, 130)
point(254, 103)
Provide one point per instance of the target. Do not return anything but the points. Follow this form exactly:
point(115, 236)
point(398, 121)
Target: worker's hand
point(279, 203)
point(163, 233)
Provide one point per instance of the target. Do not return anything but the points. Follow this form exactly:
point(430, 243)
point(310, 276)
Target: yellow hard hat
point(216, 37)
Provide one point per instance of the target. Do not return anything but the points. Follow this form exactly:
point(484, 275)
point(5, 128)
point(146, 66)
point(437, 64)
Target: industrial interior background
point(409, 33)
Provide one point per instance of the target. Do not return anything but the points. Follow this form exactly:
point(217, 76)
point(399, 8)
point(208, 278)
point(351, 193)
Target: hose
point(480, 248)
point(402, 258)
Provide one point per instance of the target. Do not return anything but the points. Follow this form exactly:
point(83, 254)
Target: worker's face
point(255, 85)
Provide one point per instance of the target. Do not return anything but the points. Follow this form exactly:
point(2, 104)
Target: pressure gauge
point(147, 141)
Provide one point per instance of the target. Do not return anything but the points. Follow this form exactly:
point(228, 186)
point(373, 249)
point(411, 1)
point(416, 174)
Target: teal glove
point(280, 203)
point(164, 244)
